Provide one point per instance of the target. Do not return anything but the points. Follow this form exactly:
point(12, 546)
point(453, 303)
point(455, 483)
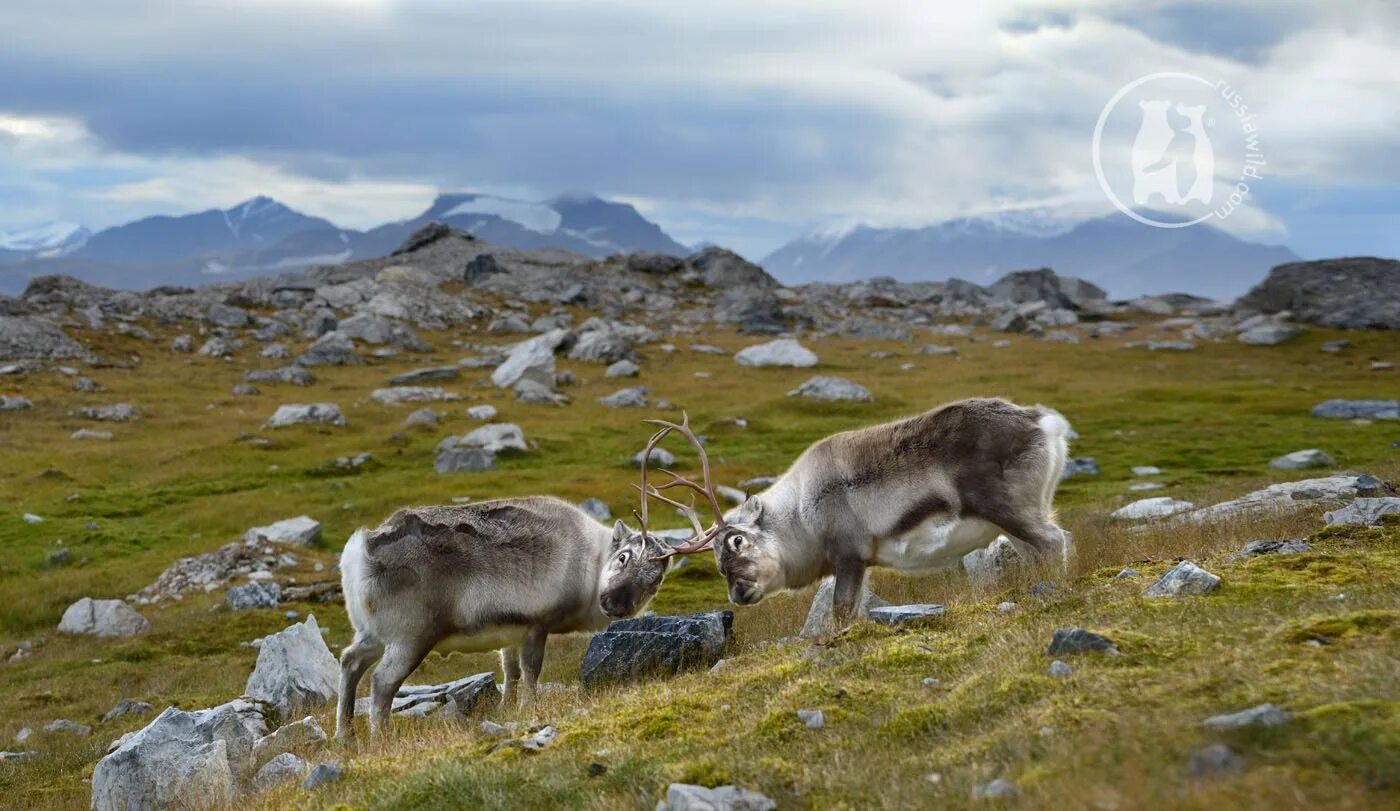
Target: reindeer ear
point(620, 533)
point(752, 510)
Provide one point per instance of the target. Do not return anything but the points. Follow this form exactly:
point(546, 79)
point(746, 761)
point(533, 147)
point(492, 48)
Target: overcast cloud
point(740, 122)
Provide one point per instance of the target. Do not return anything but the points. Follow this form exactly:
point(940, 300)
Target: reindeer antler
point(704, 539)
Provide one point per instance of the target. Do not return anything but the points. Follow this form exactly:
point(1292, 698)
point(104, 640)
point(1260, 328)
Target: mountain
point(45, 239)
point(1118, 254)
point(262, 236)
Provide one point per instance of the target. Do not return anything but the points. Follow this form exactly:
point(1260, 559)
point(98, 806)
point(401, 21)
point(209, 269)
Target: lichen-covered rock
point(649, 646)
point(295, 670)
point(1078, 640)
point(1183, 580)
point(295, 375)
point(103, 618)
point(24, 338)
point(458, 459)
point(635, 397)
point(1158, 507)
point(781, 352)
point(832, 389)
point(1358, 410)
point(989, 565)
point(300, 531)
point(686, 797)
point(253, 595)
point(305, 414)
point(1363, 511)
point(284, 768)
point(534, 357)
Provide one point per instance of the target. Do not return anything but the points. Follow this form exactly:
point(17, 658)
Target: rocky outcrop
point(33, 339)
point(1351, 293)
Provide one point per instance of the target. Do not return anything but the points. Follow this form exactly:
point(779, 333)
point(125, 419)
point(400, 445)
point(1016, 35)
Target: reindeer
point(500, 574)
point(914, 495)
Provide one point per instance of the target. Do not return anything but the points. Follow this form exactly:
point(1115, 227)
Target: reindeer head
point(633, 573)
point(747, 555)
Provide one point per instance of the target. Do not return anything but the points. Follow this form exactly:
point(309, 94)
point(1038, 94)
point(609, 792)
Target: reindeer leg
point(354, 661)
point(510, 667)
point(845, 593)
point(400, 659)
point(531, 661)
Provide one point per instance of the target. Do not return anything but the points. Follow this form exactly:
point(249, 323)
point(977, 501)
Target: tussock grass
point(1115, 734)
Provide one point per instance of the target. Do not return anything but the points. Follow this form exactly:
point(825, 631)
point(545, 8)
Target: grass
point(1115, 734)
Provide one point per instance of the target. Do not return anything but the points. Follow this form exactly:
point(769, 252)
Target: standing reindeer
point(499, 574)
point(914, 495)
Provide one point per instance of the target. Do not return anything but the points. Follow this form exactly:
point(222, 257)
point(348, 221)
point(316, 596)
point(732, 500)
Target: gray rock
point(18, 757)
point(220, 347)
point(1009, 321)
point(706, 349)
point(535, 392)
point(686, 797)
point(323, 775)
point(720, 269)
point(496, 438)
point(1184, 579)
point(245, 389)
point(998, 789)
point(432, 374)
point(633, 649)
point(1363, 511)
point(1060, 670)
point(510, 324)
point(937, 349)
point(88, 433)
point(1146, 470)
point(253, 595)
point(453, 700)
point(332, 349)
point(223, 315)
point(1270, 334)
point(660, 457)
point(15, 403)
point(1333, 347)
point(1263, 715)
point(295, 670)
point(127, 706)
point(1078, 640)
point(275, 352)
point(397, 395)
point(596, 509)
point(832, 389)
point(753, 311)
point(1286, 496)
point(481, 412)
point(623, 368)
point(1127, 573)
point(1358, 410)
point(457, 459)
point(181, 759)
point(30, 338)
point(102, 618)
point(635, 397)
point(423, 417)
point(1216, 760)
point(989, 565)
point(812, 719)
point(1350, 293)
point(300, 737)
point(117, 412)
point(819, 614)
point(63, 726)
point(285, 768)
point(305, 414)
point(182, 343)
point(1256, 548)
point(1303, 460)
point(295, 375)
point(780, 352)
point(907, 614)
point(1157, 507)
point(300, 531)
point(533, 357)
point(1083, 466)
point(603, 345)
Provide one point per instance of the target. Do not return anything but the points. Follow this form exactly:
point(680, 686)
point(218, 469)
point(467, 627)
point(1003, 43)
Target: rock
point(1147, 470)
point(510, 324)
point(24, 338)
point(989, 565)
point(15, 403)
point(828, 388)
point(285, 768)
point(635, 397)
point(63, 726)
point(1303, 460)
point(497, 438)
point(332, 349)
point(812, 719)
point(88, 433)
point(754, 312)
point(1269, 334)
point(220, 347)
point(1263, 715)
point(1363, 511)
point(1286, 496)
point(1009, 321)
point(180, 759)
point(253, 595)
point(17, 757)
point(398, 395)
point(780, 352)
point(117, 412)
point(1184, 579)
point(1078, 640)
point(431, 374)
point(301, 736)
point(456, 459)
point(323, 775)
point(182, 343)
point(275, 352)
point(623, 368)
point(1006, 606)
point(534, 392)
point(1158, 507)
point(637, 648)
point(706, 349)
point(31, 518)
point(1333, 347)
point(481, 412)
point(1216, 760)
point(596, 509)
point(300, 531)
point(605, 344)
point(534, 357)
point(295, 375)
point(127, 706)
point(306, 414)
point(819, 614)
point(455, 699)
point(686, 797)
point(660, 457)
point(998, 789)
point(1060, 669)
point(423, 417)
point(244, 390)
point(937, 349)
point(1350, 293)
point(721, 269)
point(102, 618)
point(1358, 410)
point(223, 315)
point(1083, 466)
point(295, 670)
point(907, 614)
point(1255, 548)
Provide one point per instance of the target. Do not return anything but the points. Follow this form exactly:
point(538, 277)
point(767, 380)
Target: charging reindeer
point(497, 575)
point(914, 495)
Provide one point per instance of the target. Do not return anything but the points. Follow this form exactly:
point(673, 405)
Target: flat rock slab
point(1078, 640)
point(686, 797)
point(301, 531)
point(1263, 715)
point(907, 614)
point(102, 618)
point(1158, 507)
point(1287, 496)
point(434, 374)
point(1183, 580)
point(455, 699)
point(1257, 548)
point(655, 646)
point(1358, 410)
point(1363, 511)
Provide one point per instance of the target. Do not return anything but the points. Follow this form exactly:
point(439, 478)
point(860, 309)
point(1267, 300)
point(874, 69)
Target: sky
point(739, 122)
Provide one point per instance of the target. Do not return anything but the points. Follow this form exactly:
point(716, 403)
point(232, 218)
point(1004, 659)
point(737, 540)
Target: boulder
point(1256, 548)
point(496, 438)
point(1286, 496)
point(1044, 285)
point(332, 349)
point(285, 768)
point(1358, 410)
point(1157, 507)
point(1350, 293)
point(988, 566)
point(1009, 321)
point(180, 760)
point(623, 368)
point(1303, 460)
point(604, 345)
point(1269, 334)
point(780, 352)
point(597, 509)
point(1078, 640)
point(819, 615)
point(481, 266)
point(753, 311)
point(457, 459)
point(295, 670)
point(324, 774)
point(127, 706)
point(295, 375)
point(1184, 579)
point(1363, 511)
point(253, 595)
point(301, 531)
point(481, 412)
point(1083, 466)
point(635, 397)
point(102, 618)
point(15, 403)
point(720, 269)
point(535, 392)
point(832, 389)
point(686, 797)
point(633, 649)
point(534, 357)
point(24, 338)
point(659, 457)
point(224, 315)
point(306, 414)
point(453, 700)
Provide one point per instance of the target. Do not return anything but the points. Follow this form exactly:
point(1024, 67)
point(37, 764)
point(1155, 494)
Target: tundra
point(500, 574)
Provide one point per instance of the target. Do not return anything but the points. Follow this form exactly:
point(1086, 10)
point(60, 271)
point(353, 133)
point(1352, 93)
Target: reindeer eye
point(736, 541)
point(623, 558)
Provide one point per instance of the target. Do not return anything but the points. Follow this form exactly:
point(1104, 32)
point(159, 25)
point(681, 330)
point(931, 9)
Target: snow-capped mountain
point(46, 239)
point(1116, 253)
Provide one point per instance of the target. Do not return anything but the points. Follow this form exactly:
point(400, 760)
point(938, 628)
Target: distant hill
point(1124, 257)
point(262, 236)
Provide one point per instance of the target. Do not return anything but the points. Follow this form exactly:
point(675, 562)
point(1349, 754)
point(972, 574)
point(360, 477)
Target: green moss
point(916, 723)
point(1330, 630)
point(780, 726)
